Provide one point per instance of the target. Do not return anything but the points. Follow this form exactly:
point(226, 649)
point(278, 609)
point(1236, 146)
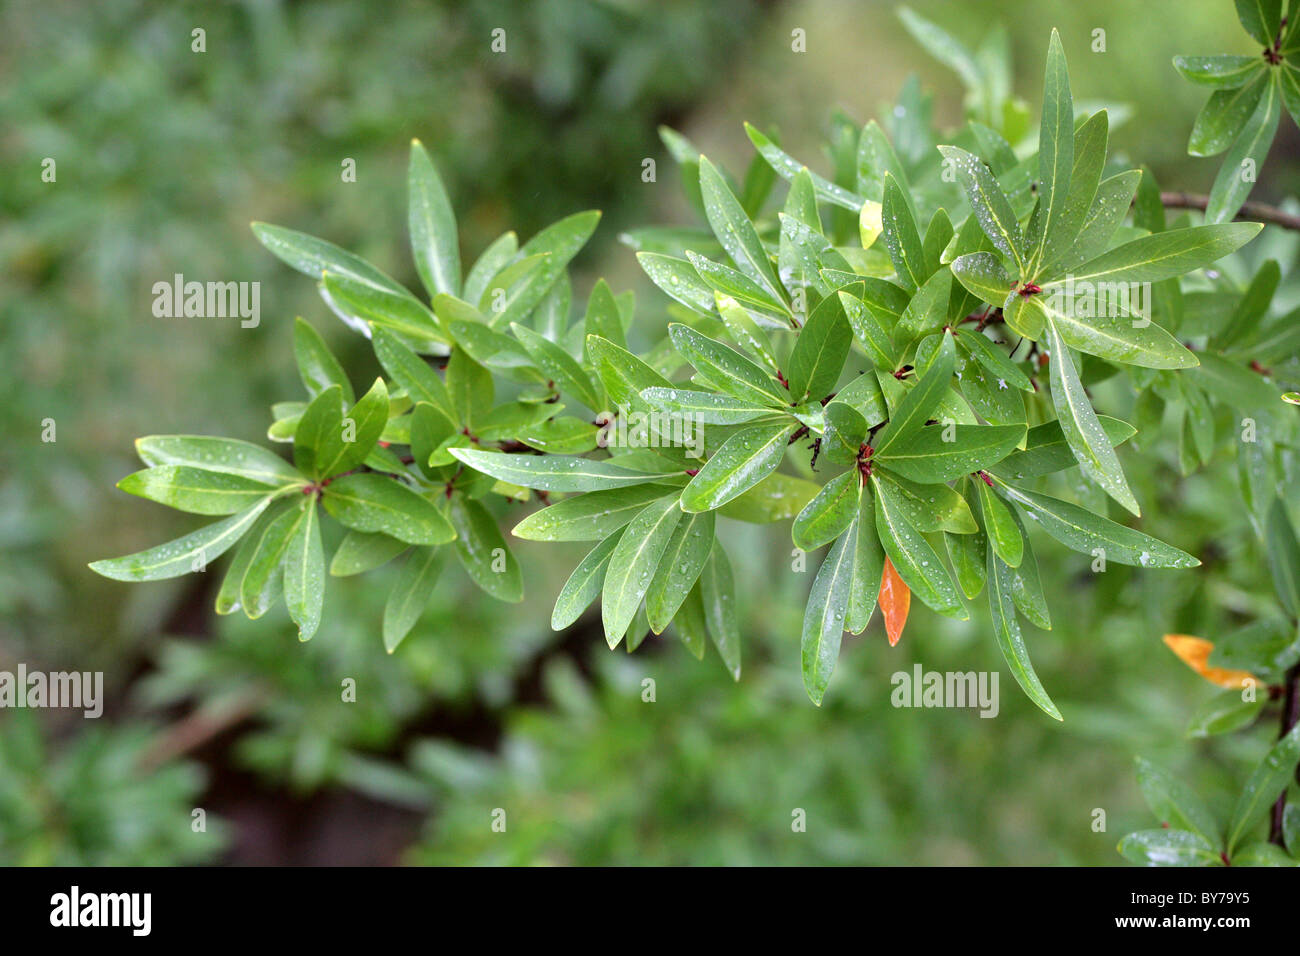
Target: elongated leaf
point(317, 366)
point(919, 404)
point(913, 558)
point(226, 455)
point(1168, 848)
point(191, 552)
point(313, 257)
point(709, 408)
point(1082, 531)
point(373, 503)
point(583, 584)
point(559, 242)
point(412, 373)
point(678, 279)
point(194, 490)
point(410, 595)
point(364, 551)
point(1118, 331)
point(1082, 430)
point(726, 369)
point(559, 366)
point(588, 517)
point(398, 311)
point(718, 596)
point(633, 564)
point(1164, 255)
point(551, 472)
point(304, 574)
point(825, 615)
point(679, 568)
point(1046, 450)
point(819, 353)
point(926, 457)
point(743, 460)
point(434, 242)
point(828, 515)
point(902, 240)
point(868, 566)
point(1266, 781)
point(1225, 72)
point(788, 167)
point(1010, 641)
point(1233, 184)
point(735, 231)
point(1284, 557)
point(1174, 803)
point(483, 552)
point(264, 577)
point(1004, 533)
point(1055, 152)
point(989, 202)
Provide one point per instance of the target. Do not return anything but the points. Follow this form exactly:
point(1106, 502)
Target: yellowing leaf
point(1195, 653)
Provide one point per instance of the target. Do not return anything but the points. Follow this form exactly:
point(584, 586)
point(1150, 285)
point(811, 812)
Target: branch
point(1290, 714)
point(1258, 211)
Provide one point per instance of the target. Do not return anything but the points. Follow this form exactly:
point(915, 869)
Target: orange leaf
point(895, 601)
point(1195, 653)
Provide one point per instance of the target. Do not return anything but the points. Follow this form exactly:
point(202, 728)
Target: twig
point(198, 728)
point(1290, 714)
point(1258, 211)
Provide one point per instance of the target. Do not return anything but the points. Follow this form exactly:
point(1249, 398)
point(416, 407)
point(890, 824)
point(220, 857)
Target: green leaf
point(1083, 432)
point(588, 517)
point(191, 552)
point(926, 457)
point(708, 408)
point(1263, 854)
point(868, 566)
point(778, 497)
point(1010, 641)
point(1224, 115)
point(1225, 72)
point(264, 577)
point(1117, 332)
point(1261, 18)
point(679, 568)
point(304, 573)
point(870, 331)
point(724, 368)
point(996, 362)
point(1174, 803)
point(602, 318)
point(633, 564)
point(743, 460)
point(913, 558)
point(317, 366)
point(678, 279)
point(902, 240)
point(361, 428)
point(1232, 185)
point(410, 595)
point(194, 490)
point(229, 595)
point(931, 507)
point(559, 366)
point(1284, 557)
point(550, 472)
point(364, 551)
point(483, 552)
point(1164, 255)
point(846, 431)
point(744, 331)
point(943, 47)
point(983, 275)
point(1168, 848)
point(434, 241)
point(490, 262)
point(1082, 531)
point(411, 372)
point(928, 310)
point(735, 231)
point(824, 617)
point(583, 584)
point(718, 595)
point(226, 455)
point(828, 515)
point(1113, 200)
point(788, 167)
point(470, 388)
point(623, 374)
point(819, 353)
point(313, 257)
point(1055, 153)
point(559, 242)
point(922, 400)
point(1224, 713)
point(397, 311)
point(988, 202)
point(369, 502)
point(1085, 175)
point(1004, 533)
point(1263, 786)
point(1046, 450)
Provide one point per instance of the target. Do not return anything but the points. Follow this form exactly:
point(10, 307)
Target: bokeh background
point(164, 156)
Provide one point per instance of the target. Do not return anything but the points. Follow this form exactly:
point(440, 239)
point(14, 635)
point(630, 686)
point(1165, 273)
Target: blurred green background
point(165, 155)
